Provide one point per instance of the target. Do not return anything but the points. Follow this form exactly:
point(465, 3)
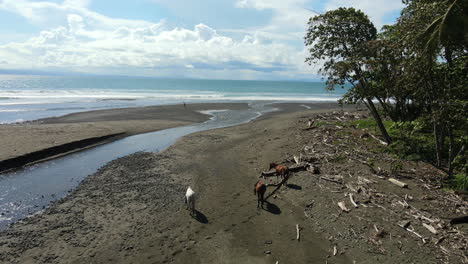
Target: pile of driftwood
point(361, 193)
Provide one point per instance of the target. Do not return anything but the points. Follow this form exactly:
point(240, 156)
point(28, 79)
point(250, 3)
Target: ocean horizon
point(26, 98)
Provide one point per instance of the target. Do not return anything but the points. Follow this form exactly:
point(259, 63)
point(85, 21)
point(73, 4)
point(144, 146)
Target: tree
point(340, 39)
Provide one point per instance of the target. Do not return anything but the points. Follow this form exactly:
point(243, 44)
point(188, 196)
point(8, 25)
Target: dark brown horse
point(282, 171)
point(259, 190)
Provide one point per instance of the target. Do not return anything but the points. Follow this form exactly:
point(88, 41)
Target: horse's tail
point(185, 199)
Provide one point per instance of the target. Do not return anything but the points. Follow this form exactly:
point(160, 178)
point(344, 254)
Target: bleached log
point(399, 183)
point(430, 228)
point(343, 207)
point(378, 139)
point(334, 251)
point(352, 201)
point(298, 233)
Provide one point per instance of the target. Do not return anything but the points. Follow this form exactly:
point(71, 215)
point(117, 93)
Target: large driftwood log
point(399, 183)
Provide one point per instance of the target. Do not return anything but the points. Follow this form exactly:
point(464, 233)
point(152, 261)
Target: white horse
point(190, 200)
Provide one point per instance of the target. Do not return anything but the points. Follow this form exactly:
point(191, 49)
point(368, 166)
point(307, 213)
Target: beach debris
point(378, 139)
point(297, 159)
point(352, 201)
point(298, 233)
point(335, 250)
point(343, 207)
point(399, 183)
point(336, 179)
point(430, 228)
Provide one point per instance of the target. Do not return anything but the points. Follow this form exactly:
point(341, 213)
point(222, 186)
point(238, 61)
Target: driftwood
point(399, 183)
point(343, 207)
point(378, 139)
point(405, 225)
point(314, 169)
point(298, 233)
point(308, 158)
point(352, 200)
point(297, 159)
point(335, 180)
point(430, 228)
point(334, 251)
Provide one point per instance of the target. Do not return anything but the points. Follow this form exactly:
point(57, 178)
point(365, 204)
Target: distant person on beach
point(185, 106)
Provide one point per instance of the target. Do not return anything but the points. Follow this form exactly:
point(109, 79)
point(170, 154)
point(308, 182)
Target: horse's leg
point(193, 207)
point(262, 198)
point(258, 199)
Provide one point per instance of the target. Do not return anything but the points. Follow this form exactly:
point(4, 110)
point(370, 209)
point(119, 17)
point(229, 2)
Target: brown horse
point(282, 171)
point(259, 190)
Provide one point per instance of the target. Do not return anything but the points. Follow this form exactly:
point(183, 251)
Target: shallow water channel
point(32, 189)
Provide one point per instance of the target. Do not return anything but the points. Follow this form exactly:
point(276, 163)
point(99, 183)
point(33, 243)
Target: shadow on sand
point(271, 207)
point(294, 187)
point(200, 217)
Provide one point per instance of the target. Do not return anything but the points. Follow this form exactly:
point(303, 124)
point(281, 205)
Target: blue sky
point(214, 39)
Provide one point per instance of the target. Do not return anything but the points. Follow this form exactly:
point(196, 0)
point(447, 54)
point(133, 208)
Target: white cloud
point(375, 9)
point(89, 42)
point(78, 39)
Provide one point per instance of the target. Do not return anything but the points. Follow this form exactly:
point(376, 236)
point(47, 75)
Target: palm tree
point(450, 28)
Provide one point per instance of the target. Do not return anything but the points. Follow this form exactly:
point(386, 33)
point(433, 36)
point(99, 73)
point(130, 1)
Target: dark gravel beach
point(132, 210)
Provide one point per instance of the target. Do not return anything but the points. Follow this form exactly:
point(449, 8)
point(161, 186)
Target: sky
point(208, 39)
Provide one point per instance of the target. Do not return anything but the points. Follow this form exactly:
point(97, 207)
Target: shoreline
point(45, 139)
point(40, 140)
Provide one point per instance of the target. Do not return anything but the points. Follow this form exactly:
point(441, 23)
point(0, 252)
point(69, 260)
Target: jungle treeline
point(413, 74)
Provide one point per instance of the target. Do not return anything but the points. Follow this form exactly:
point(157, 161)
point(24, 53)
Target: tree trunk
point(378, 120)
point(437, 143)
point(451, 151)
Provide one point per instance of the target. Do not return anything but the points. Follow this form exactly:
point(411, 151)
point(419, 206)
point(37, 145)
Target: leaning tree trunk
point(378, 120)
point(437, 144)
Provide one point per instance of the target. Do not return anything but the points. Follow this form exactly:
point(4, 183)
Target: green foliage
point(416, 69)
point(459, 182)
point(338, 38)
point(396, 167)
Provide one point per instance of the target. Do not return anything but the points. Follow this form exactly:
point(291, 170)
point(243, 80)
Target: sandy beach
point(59, 135)
point(132, 210)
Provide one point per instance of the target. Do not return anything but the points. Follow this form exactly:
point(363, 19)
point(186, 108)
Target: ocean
point(26, 98)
